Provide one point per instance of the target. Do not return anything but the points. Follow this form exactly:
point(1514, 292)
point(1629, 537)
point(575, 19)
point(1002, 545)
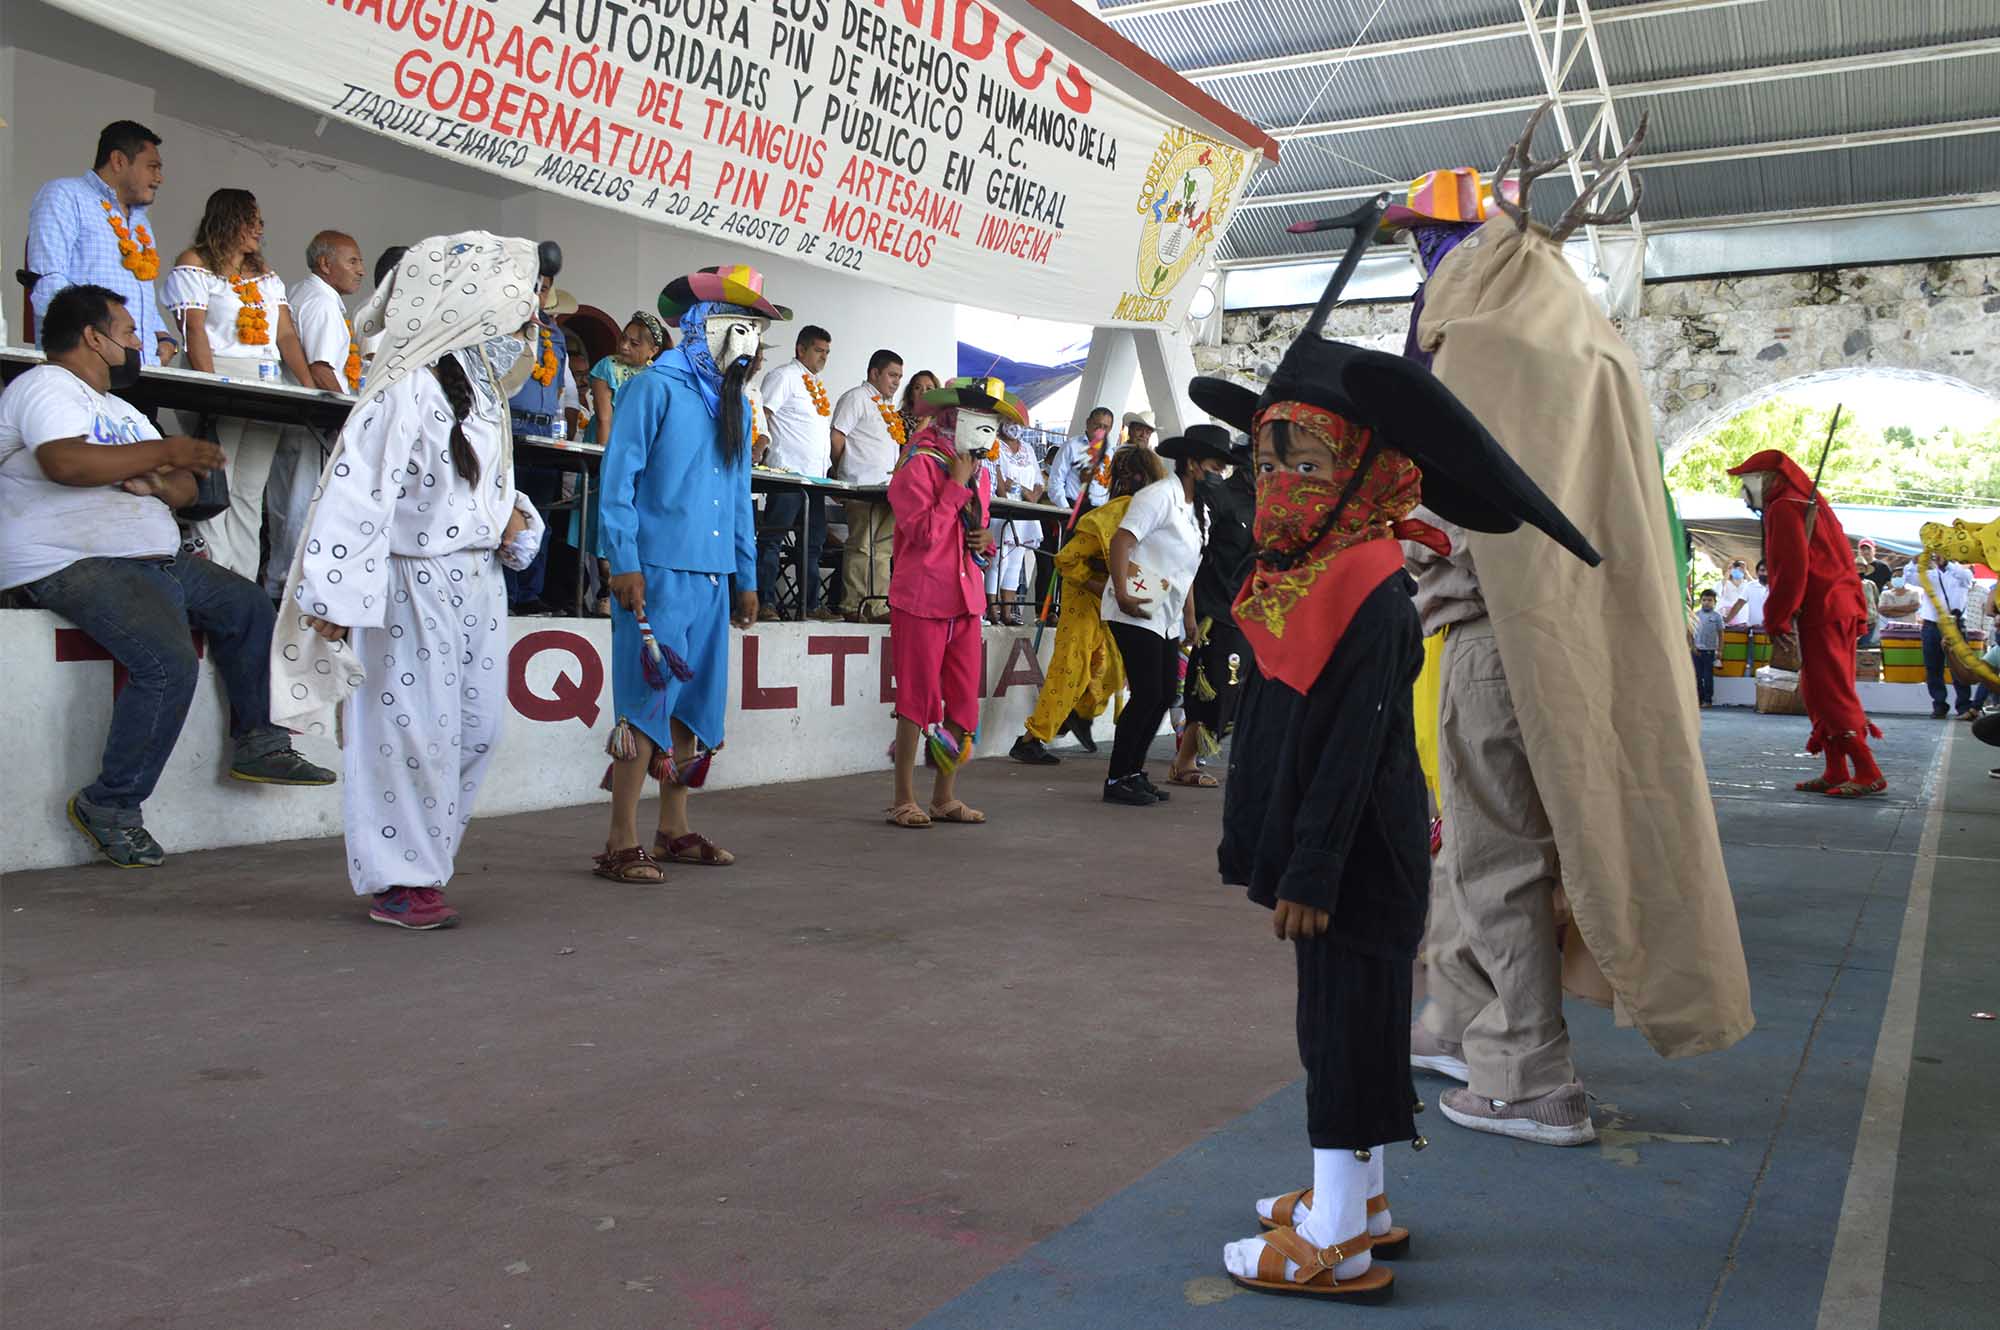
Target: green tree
point(1895, 466)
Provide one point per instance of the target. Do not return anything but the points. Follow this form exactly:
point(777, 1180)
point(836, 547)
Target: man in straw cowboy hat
point(1578, 833)
point(678, 526)
point(1325, 815)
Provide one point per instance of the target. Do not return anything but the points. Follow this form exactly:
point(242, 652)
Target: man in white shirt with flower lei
point(334, 271)
point(93, 230)
point(868, 438)
point(799, 414)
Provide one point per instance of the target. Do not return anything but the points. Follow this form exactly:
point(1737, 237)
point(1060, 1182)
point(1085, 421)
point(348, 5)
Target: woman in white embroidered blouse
point(232, 314)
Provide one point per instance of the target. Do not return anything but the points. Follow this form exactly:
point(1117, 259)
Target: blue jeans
point(782, 510)
point(1704, 676)
point(1936, 670)
point(141, 611)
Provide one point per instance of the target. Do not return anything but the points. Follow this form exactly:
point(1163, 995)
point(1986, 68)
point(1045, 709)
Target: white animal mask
point(1755, 486)
point(976, 431)
point(735, 338)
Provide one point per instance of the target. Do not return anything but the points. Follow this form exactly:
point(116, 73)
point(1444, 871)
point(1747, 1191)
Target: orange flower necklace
point(894, 420)
point(545, 369)
point(135, 249)
point(817, 391)
point(253, 328)
point(352, 370)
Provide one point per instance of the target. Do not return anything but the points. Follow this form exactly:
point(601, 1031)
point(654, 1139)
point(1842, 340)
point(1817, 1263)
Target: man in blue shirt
point(678, 524)
point(93, 230)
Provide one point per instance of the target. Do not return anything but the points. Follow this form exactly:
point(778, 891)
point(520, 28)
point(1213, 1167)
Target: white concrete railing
point(805, 701)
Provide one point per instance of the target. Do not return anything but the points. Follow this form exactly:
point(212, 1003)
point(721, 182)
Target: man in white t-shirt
point(799, 416)
point(1746, 608)
point(88, 490)
point(334, 271)
point(867, 437)
point(1952, 582)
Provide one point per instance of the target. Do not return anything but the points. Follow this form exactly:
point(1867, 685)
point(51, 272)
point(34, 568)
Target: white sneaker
point(1560, 1117)
point(1430, 1053)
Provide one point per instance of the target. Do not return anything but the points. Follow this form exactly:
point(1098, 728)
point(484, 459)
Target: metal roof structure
point(1759, 110)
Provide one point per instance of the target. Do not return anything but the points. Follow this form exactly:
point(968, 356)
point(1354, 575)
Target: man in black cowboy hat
point(1224, 507)
point(1325, 814)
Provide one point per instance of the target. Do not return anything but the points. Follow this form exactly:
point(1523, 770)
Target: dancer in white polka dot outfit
point(399, 573)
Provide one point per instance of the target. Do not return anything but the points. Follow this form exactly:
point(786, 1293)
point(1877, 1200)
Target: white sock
point(1340, 1190)
point(1378, 1224)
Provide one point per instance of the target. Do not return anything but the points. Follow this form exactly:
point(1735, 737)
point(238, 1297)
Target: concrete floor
point(1029, 1074)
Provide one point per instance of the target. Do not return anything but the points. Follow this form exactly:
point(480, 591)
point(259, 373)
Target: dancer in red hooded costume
point(1812, 578)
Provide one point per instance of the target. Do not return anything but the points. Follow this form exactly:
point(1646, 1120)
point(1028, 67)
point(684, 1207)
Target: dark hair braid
point(458, 391)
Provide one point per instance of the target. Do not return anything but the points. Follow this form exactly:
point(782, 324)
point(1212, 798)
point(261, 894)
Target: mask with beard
point(720, 343)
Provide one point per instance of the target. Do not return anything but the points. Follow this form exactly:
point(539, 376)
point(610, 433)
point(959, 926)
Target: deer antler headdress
point(1521, 160)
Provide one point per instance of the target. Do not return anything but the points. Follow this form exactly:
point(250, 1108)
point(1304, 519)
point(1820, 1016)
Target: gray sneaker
point(122, 847)
point(1430, 1053)
point(284, 767)
point(1560, 1117)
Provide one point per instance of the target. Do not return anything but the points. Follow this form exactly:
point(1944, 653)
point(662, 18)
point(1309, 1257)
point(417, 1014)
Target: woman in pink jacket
point(942, 499)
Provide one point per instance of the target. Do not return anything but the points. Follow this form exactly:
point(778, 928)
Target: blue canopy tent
point(1030, 382)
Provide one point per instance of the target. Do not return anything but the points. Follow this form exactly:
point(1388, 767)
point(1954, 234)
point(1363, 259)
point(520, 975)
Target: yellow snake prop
point(1961, 543)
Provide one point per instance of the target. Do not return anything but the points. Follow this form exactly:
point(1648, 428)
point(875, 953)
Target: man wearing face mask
point(678, 525)
point(88, 490)
point(1813, 582)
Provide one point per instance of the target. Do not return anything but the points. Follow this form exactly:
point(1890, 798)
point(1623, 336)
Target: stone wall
point(1710, 347)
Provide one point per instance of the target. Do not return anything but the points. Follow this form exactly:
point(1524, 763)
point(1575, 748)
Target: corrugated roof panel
point(1848, 103)
point(1704, 41)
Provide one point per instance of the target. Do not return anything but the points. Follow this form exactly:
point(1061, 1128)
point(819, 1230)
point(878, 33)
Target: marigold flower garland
point(136, 253)
point(352, 369)
point(890, 417)
point(546, 369)
point(253, 328)
point(817, 391)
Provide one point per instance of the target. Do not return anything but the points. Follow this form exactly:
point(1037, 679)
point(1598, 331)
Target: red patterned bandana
point(1294, 615)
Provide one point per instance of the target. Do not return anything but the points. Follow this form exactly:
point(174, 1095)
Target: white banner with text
point(931, 145)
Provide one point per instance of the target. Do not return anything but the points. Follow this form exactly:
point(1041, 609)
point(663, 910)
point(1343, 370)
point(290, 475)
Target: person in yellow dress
point(1085, 671)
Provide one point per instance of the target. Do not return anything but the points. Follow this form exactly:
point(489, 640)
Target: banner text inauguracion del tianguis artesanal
point(927, 144)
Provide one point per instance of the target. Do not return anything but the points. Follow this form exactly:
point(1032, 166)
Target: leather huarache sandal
point(632, 864)
point(1817, 785)
point(957, 811)
point(693, 848)
point(1857, 789)
point(1390, 1246)
point(908, 816)
point(1200, 780)
point(1315, 1269)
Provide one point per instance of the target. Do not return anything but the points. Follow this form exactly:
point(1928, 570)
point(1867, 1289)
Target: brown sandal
point(908, 816)
point(1391, 1246)
point(632, 865)
point(1198, 779)
point(957, 811)
point(1857, 789)
point(693, 848)
point(1316, 1264)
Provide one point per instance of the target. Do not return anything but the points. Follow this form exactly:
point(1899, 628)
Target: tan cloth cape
point(448, 293)
point(1596, 658)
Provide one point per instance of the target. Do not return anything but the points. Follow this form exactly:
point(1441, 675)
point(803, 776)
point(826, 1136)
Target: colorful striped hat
point(976, 395)
point(1456, 195)
point(737, 284)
